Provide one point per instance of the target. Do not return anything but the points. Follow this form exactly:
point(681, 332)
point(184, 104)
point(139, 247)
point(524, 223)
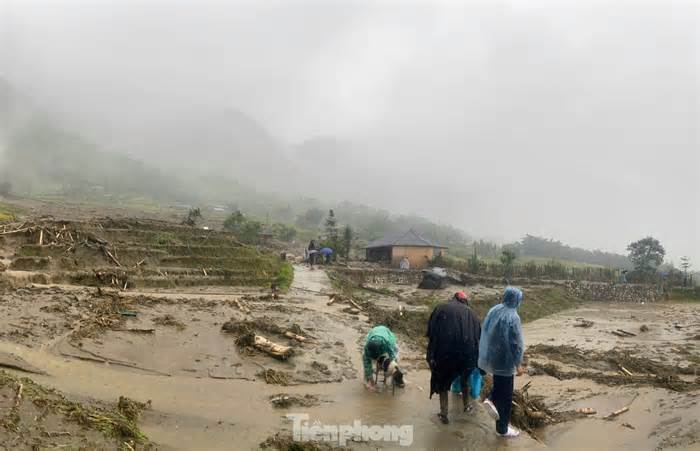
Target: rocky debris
point(283, 441)
point(170, 321)
point(132, 409)
point(580, 322)
point(275, 377)
point(613, 367)
point(609, 292)
point(39, 417)
point(283, 400)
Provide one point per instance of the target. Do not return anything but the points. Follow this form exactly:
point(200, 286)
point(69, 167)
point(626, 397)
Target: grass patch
point(685, 294)
point(412, 325)
point(285, 276)
point(8, 212)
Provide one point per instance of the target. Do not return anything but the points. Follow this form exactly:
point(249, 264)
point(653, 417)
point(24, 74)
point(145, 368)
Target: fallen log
point(616, 413)
point(293, 336)
point(626, 371)
point(261, 343)
point(331, 301)
point(630, 334)
point(678, 326)
point(355, 304)
point(112, 257)
point(240, 306)
point(275, 350)
point(137, 331)
point(619, 412)
point(18, 398)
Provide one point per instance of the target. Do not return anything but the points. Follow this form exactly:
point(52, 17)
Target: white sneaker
point(491, 409)
point(512, 432)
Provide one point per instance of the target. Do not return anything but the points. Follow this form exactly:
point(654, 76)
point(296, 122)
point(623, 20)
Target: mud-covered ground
point(190, 349)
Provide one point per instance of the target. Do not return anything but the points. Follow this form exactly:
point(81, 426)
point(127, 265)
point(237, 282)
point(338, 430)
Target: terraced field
point(136, 254)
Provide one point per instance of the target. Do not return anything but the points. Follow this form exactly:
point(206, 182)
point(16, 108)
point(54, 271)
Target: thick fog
point(566, 119)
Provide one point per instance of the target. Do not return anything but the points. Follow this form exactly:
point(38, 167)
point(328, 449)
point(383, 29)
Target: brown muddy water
point(183, 372)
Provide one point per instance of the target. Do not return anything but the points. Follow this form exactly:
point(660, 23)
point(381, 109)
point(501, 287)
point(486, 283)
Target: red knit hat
point(460, 295)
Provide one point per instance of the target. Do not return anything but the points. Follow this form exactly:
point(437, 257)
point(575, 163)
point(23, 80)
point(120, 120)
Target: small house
point(393, 248)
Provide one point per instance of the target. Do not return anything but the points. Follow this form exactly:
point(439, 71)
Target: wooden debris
point(626, 371)
point(616, 413)
point(621, 333)
point(18, 398)
point(630, 334)
point(275, 350)
point(583, 323)
point(587, 411)
point(331, 301)
point(355, 304)
point(112, 257)
point(240, 306)
point(137, 331)
point(293, 336)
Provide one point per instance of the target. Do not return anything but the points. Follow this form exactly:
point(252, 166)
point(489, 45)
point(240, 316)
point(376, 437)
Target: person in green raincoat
point(380, 346)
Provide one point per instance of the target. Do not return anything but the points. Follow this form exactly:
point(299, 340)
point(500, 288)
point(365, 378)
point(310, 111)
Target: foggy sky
point(573, 120)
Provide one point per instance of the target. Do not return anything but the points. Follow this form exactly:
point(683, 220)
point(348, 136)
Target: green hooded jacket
point(387, 345)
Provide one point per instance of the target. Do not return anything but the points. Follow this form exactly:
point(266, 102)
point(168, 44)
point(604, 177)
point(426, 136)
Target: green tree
point(646, 255)
point(331, 226)
point(246, 230)
point(508, 257)
point(685, 266)
point(234, 221)
point(192, 217)
point(473, 262)
point(348, 236)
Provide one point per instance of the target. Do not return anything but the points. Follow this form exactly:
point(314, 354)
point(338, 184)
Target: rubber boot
point(466, 401)
point(443, 408)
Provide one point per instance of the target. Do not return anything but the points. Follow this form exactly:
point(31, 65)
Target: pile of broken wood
point(247, 337)
point(68, 236)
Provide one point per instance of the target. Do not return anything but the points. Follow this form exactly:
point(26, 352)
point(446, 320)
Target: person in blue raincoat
point(501, 349)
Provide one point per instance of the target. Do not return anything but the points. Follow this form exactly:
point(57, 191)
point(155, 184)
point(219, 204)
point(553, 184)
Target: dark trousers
point(464, 381)
point(502, 397)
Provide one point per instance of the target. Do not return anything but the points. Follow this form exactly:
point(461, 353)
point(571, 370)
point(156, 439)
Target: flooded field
point(182, 351)
point(208, 393)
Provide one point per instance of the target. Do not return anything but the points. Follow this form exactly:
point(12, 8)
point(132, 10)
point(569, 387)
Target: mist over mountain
point(571, 120)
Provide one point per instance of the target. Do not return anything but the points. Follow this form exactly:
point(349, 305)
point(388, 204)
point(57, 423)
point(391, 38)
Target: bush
point(246, 230)
point(284, 277)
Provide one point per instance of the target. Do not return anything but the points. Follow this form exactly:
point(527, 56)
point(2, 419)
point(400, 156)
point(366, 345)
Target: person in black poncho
point(453, 348)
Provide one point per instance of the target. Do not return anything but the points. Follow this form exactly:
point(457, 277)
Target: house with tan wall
point(393, 248)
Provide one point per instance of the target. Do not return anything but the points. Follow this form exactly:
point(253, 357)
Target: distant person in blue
point(623, 276)
point(501, 351)
point(327, 253)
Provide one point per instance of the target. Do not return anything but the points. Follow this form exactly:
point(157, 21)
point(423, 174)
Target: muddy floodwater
point(207, 393)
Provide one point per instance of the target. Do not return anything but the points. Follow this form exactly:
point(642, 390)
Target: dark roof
point(410, 238)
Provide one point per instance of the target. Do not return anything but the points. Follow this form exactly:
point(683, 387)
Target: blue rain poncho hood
point(501, 346)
